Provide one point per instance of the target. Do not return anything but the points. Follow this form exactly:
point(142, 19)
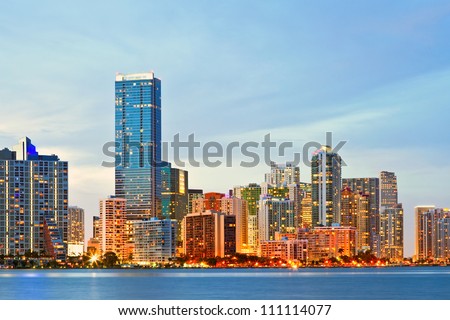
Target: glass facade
point(138, 144)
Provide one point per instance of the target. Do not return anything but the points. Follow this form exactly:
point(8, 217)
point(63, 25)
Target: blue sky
point(375, 73)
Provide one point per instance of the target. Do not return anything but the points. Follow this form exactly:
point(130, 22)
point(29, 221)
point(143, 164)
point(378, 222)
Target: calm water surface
point(240, 284)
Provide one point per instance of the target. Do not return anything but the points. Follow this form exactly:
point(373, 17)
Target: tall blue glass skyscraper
point(138, 143)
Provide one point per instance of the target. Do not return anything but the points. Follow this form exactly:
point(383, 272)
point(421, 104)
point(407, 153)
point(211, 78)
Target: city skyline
point(382, 87)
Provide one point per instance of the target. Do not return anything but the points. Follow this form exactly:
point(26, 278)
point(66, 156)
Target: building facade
point(391, 232)
point(33, 201)
point(174, 194)
point(326, 187)
point(113, 227)
point(138, 144)
point(432, 233)
point(370, 187)
point(276, 215)
point(251, 194)
point(288, 250)
point(75, 231)
point(238, 208)
point(209, 234)
point(154, 241)
point(327, 242)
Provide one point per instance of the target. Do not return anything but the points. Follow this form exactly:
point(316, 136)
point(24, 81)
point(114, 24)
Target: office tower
point(75, 231)
point(113, 234)
point(209, 234)
point(174, 194)
point(326, 187)
point(251, 194)
point(388, 189)
point(391, 232)
point(275, 215)
point(193, 194)
point(33, 202)
point(238, 208)
point(138, 144)
point(305, 205)
point(283, 174)
point(432, 233)
point(154, 240)
point(370, 187)
point(328, 242)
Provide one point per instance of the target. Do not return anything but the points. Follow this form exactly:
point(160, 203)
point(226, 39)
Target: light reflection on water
point(373, 283)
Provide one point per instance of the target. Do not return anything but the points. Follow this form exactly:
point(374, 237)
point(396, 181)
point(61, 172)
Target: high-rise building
point(154, 240)
point(424, 231)
point(443, 238)
point(305, 205)
point(432, 233)
point(388, 189)
point(275, 215)
point(209, 234)
point(355, 213)
point(391, 232)
point(326, 187)
point(174, 194)
point(138, 144)
point(75, 231)
point(391, 218)
point(370, 187)
point(238, 208)
point(33, 201)
point(113, 234)
point(251, 195)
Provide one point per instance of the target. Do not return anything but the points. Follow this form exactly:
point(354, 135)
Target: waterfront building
point(391, 232)
point(370, 187)
point(391, 218)
point(114, 233)
point(209, 234)
point(33, 202)
point(138, 144)
point(154, 241)
point(288, 250)
point(432, 233)
point(327, 242)
point(238, 208)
